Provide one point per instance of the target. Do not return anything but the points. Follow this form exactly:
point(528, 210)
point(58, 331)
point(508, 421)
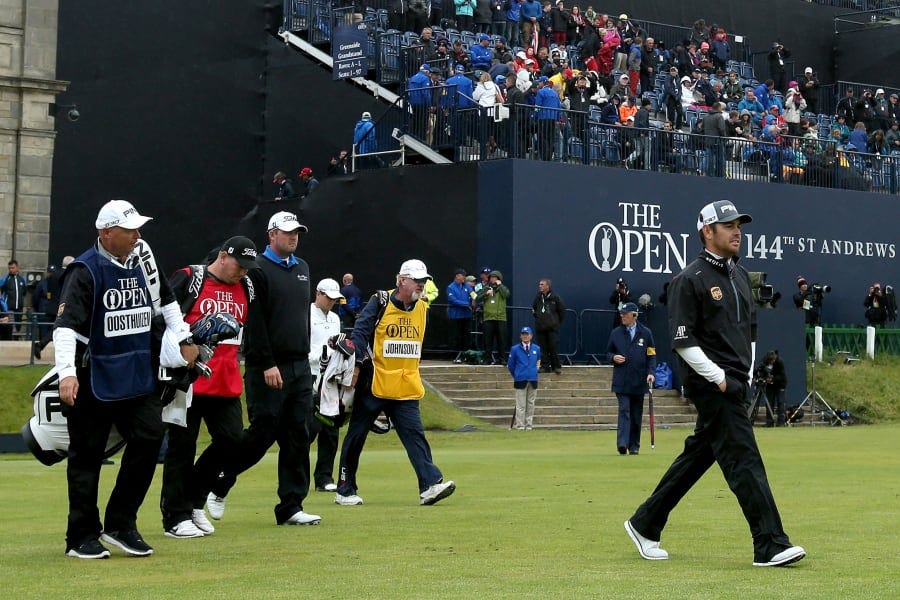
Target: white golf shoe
point(437, 492)
point(783, 558)
point(215, 505)
point(647, 548)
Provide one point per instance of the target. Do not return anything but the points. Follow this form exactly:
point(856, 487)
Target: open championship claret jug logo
point(637, 243)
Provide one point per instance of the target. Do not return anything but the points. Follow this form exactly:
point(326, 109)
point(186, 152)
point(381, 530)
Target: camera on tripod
point(763, 293)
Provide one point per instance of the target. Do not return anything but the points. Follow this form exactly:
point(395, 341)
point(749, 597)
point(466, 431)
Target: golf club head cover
point(214, 328)
point(342, 344)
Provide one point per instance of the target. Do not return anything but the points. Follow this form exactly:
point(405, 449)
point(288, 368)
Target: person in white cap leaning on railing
point(388, 337)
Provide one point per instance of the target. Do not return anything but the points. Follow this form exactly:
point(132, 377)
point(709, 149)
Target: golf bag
point(46, 433)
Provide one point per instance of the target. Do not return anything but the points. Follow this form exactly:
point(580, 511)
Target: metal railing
point(852, 339)
point(380, 147)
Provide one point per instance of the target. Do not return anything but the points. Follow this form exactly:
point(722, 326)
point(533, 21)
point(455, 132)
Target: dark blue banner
point(349, 51)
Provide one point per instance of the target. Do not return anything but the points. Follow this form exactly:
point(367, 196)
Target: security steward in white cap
point(712, 322)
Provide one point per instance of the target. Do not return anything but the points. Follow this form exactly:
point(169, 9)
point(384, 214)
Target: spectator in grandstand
point(483, 16)
point(716, 131)
point(892, 136)
point(876, 306)
point(575, 26)
point(753, 106)
point(794, 107)
point(862, 110)
point(580, 105)
point(340, 164)
point(733, 89)
point(285, 187)
point(858, 137)
point(628, 108)
point(417, 14)
point(628, 32)
point(481, 53)
point(764, 92)
point(465, 11)
point(511, 33)
point(845, 105)
point(419, 89)
point(878, 144)
point(703, 87)
point(443, 60)
point(777, 72)
point(622, 86)
point(895, 107)
point(547, 116)
point(365, 141)
point(635, 53)
point(648, 63)
point(310, 183)
point(559, 22)
point(397, 14)
point(545, 26)
point(463, 86)
point(459, 56)
point(719, 49)
point(704, 58)
point(608, 45)
point(841, 125)
point(609, 114)
point(809, 87)
point(699, 33)
point(881, 110)
point(641, 140)
point(669, 153)
point(682, 59)
point(745, 123)
point(501, 52)
point(687, 92)
point(671, 98)
point(530, 11)
point(426, 46)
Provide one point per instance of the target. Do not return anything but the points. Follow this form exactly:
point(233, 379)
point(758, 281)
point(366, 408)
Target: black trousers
point(139, 422)
point(282, 416)
point(723, 435)
point(548, 340)
point(495, 335)
point(326, 451)
point(185, 483)
point(460, 333)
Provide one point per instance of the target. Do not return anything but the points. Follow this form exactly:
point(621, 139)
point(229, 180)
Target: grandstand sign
point(349, 51)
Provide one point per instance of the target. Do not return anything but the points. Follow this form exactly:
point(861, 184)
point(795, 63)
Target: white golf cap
point(807, 70)
point(722, 211)
point(119, 213)
point(330, 288)
point(286, 221)
point(879, 91)
point(414, 269)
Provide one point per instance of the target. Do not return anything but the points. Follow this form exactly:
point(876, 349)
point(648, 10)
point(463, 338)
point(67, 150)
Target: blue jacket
point(464, 90)
point(762, 94)
point(524, 367)
point(420, 89)
point(12, 293)
point(529, 9)
point(459, 300)
point(481, 56)
point(546, 100)
point(512, 10)
point(640, 359)
point(364, 136)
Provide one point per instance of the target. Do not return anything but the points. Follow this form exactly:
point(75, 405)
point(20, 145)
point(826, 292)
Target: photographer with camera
point(619, 298)
point(771, 374)
point(876, 306)
point(809, 299)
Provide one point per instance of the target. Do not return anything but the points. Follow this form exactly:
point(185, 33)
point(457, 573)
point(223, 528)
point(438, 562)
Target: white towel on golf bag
point(175, 412)
point(336, 382)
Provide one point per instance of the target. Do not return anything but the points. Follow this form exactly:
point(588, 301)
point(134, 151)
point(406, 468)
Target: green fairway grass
point(536, 515)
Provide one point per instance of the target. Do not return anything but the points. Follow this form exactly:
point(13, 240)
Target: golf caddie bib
point(397, 350)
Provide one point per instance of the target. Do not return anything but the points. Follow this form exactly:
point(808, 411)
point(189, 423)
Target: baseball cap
point(242, 249)
point(367, 115)
point(879, 91)
point(808, 70)
point(526, 330)
point(425, 67)
point(497, 274)
point(330, 288)
point(486, 269)
point(543, 79)
point(628, 307)
point(685, 78)
point(286, 221)
point(307, 170)
point(721, 211)
point(529, 61)
point(520, 54)
point(630, 118)
point(414, 269)
point(623, 16)
point(459, 67)
point(484, 37)
point(120, 213)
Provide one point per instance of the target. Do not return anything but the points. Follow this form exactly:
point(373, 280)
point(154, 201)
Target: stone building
point(28, 88)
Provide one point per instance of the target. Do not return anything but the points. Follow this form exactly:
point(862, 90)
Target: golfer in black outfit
point(712, 321)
